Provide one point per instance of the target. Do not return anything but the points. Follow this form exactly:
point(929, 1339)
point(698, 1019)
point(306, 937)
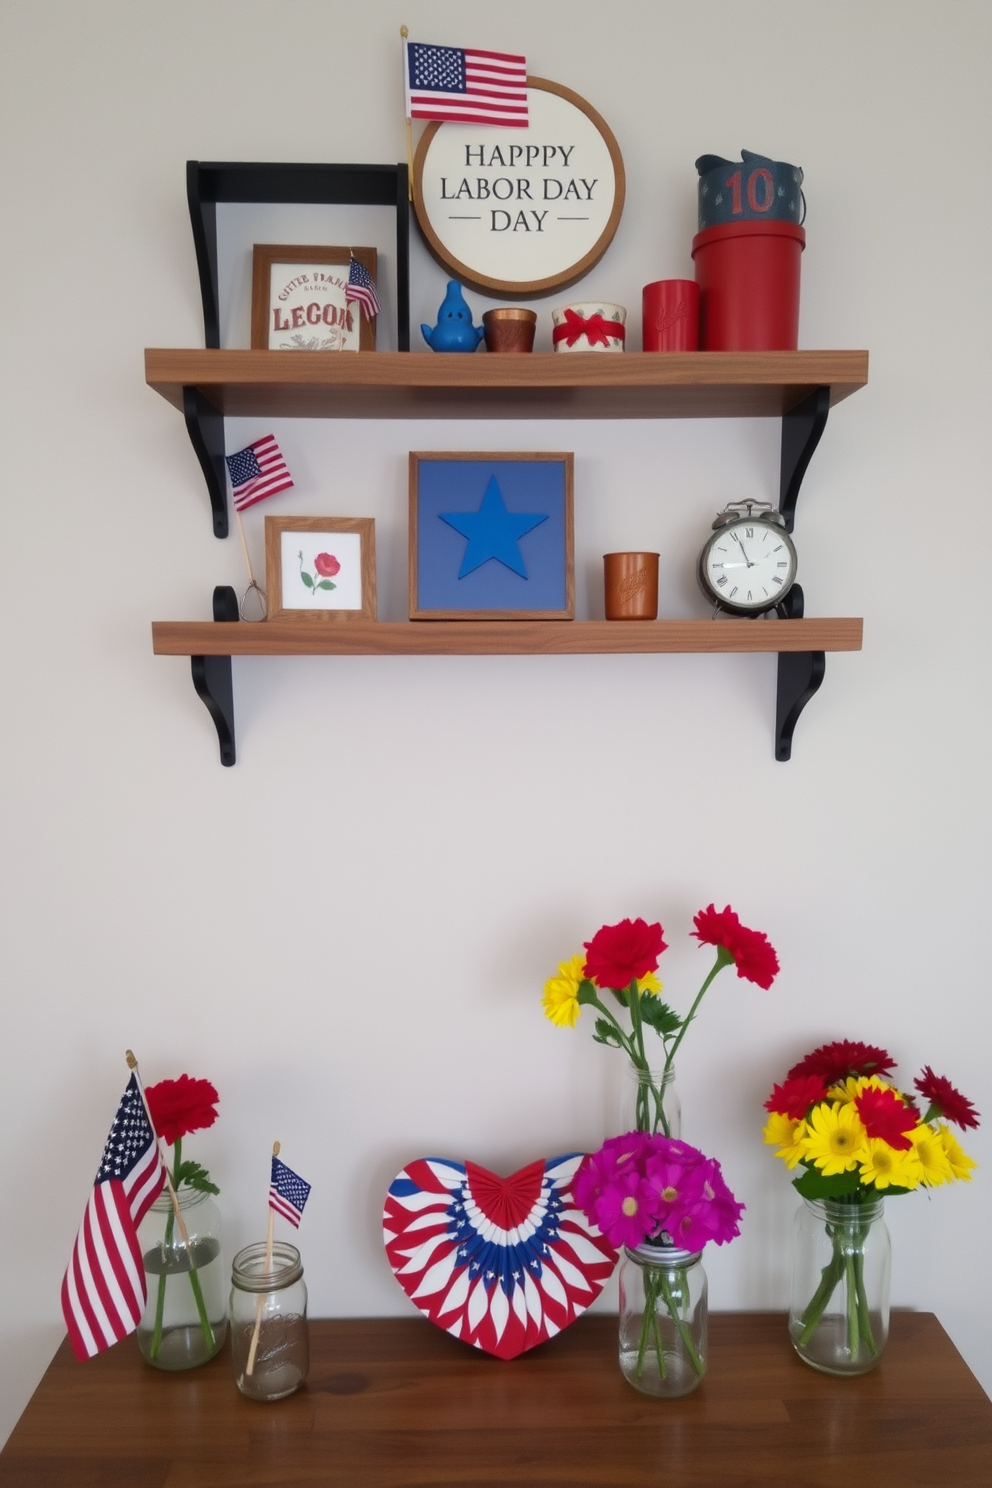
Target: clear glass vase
point(649, 1102)
point(185, 1316)
point(270, 1345)
point(839, 1313)
point(663, 1319)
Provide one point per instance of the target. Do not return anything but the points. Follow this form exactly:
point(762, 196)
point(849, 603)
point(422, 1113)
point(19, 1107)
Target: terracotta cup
point(510, 328)
point(671, 315)
point(631, 585)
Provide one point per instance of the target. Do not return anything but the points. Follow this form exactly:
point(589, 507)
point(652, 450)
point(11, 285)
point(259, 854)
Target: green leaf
point(195, 1176)
point(605, 1033)
point(659, 1016)
point(306, 579)
point(816, 1185)
point(326, 584)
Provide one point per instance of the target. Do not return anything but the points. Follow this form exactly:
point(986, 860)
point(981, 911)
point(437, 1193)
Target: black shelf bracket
point(205, 427)
point(801, 430)
point(799, 676)
point(213, 682)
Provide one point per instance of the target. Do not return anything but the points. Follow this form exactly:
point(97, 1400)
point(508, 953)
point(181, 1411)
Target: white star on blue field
point(493, 532)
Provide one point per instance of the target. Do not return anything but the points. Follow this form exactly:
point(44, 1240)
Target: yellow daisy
point(561, 993)
point(650, 983)
point(786, 1134)
point(851, 1088)
point(835, 1138)
point(961, 1164)
point(882, 1165)
point(932, 1156)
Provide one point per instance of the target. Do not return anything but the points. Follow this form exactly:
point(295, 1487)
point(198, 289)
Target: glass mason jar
point(663, 1319)
point(649, 1102)
point(839, 1313)
point(185, 1318)
point(270, 1346)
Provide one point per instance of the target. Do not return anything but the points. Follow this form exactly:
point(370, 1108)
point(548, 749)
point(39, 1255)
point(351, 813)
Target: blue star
point(492, 532)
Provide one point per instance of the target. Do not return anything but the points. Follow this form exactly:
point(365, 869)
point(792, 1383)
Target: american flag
point(361, 287)
point(287, 1192)
point(469, 86)
point(257, 471)
point(104, 1292)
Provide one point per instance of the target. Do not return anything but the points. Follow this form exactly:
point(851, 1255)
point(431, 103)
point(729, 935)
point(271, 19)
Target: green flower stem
point(194, 1280)
point(648, 1093)
point(657, 1284)
point(846, 1264)
point(156, 1342)
point(723, 958)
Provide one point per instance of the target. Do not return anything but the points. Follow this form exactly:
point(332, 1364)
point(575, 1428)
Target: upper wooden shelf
point(544, 385)
point(498, 637)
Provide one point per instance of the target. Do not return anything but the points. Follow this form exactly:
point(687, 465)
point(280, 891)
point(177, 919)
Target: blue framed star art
point(491, 536)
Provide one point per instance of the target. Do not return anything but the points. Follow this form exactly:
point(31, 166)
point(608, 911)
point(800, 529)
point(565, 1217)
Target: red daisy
point(793, 1098)
point(886, 1116)
point(842, 1058)
point(949, 1103)
point(618, 954)
point(181, 1106)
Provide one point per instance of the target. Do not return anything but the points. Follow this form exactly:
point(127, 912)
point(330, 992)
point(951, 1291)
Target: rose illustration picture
point(320, 568)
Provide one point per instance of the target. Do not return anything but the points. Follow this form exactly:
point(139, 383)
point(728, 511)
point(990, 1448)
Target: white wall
point(348, 932)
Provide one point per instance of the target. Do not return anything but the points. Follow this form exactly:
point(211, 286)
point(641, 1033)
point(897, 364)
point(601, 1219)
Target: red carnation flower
point(844, 1057)
point(886, 1116)
point(949, 1103)
point(618, 954)
point(751, 951)
point(181, 1106)
point(793, 1098)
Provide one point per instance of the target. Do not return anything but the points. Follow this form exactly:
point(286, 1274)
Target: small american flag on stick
point(361, 287)
point(104, 1290)
point(287, 1192)
point(470, 86)
point(256, 472)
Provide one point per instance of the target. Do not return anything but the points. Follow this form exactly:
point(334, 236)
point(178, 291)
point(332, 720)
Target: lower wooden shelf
point(308, 637)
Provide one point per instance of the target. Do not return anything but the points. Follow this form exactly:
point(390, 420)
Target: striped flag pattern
point(104, 1291)
point(287, 1192)
point(472, 87)
point(256, 472)
point(501, 1263)
point(361, 288)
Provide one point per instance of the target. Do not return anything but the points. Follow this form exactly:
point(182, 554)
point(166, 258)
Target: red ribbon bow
point(596, 329)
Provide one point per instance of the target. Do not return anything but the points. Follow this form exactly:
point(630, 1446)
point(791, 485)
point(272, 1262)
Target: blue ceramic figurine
point(454, 330)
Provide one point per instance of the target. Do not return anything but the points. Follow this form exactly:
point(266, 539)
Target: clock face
point(748, 566)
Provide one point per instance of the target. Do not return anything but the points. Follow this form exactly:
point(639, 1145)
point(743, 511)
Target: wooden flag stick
point(132, 1065)
point(244, 549)
point(260, 1298)
point(404, 33)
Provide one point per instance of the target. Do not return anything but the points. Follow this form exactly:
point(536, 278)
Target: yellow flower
point(649, 983)
point(835, 1138)
point(932, 1156)
point(851, 1088)
point(787, 1135)
point(882, 1165)
point(961, 1163)
point(561, 993)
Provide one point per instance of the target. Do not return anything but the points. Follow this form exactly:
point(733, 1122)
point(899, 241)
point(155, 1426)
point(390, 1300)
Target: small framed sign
point(517, 212)
point(491, 537)
point(300, 299)
point(320, 568)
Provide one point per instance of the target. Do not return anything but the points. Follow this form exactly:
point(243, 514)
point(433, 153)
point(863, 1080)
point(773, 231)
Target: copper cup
point(510, 328)
point(631, 586)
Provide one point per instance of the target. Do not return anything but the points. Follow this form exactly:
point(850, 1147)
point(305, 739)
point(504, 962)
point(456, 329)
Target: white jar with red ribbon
point(589, 325)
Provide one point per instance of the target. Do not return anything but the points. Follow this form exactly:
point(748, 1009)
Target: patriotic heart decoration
point(501, 1263)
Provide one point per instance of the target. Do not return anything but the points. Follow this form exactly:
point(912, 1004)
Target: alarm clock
point(749, 564)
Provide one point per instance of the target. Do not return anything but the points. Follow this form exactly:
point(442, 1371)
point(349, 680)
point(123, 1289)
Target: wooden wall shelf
point(500, 638)
point(545, 385)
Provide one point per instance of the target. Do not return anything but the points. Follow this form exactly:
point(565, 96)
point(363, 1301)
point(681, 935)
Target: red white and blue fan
point(501, 1263)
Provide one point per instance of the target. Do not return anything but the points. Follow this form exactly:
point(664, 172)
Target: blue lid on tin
point(751, 188)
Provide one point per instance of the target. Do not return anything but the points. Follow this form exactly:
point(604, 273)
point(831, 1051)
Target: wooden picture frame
point(491, 536)
point(527, 215)
point(301, 579)
point(298, 299)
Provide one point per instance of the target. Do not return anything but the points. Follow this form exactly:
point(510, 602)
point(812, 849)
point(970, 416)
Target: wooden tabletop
point(395, 1403)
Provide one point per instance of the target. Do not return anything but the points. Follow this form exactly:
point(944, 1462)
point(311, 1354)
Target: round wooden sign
point(518, 212)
